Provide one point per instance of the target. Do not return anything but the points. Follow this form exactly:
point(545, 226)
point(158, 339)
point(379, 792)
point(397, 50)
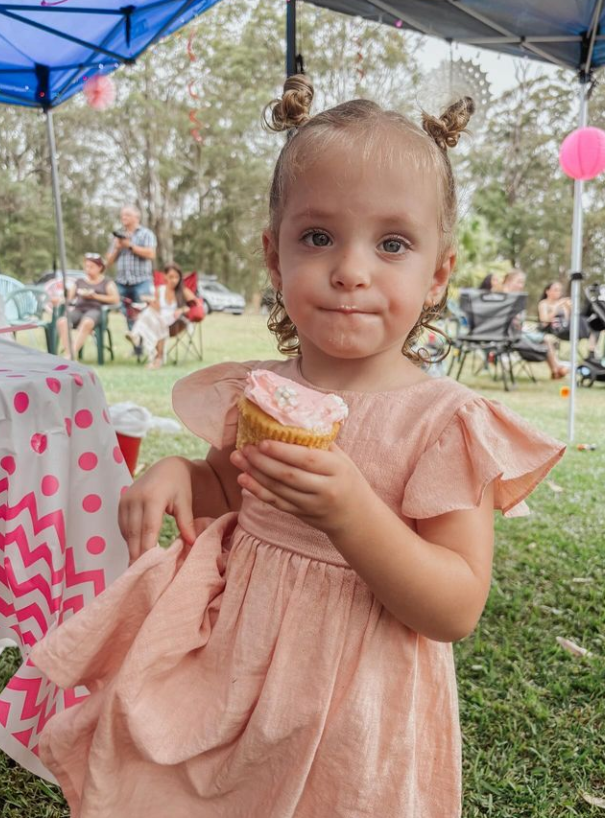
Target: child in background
point(294, 659)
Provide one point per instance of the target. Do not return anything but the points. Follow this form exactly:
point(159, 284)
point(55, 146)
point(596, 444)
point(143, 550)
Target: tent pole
point(58, 217)
point(576, 267)
point(290, 37)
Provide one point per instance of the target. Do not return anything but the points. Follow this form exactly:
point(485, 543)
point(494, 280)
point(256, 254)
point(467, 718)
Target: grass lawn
point(532, 713)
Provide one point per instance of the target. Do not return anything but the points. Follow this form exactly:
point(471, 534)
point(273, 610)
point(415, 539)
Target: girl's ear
point(272, 258)
point(441, 277)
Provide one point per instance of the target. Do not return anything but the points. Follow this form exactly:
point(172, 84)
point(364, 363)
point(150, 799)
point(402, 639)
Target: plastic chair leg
point(100, 349)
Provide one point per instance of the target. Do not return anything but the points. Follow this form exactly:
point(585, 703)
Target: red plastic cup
point(129, 446)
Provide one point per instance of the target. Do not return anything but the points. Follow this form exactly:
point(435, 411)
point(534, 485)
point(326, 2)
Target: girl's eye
point(315, 238)
point(394, 246)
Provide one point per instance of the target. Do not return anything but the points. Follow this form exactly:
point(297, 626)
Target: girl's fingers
point(248, 482)
point(184, 519)
point(150, 526)
point(317, 461)
point(258, 464)
point(288, 491)
point(131, 531)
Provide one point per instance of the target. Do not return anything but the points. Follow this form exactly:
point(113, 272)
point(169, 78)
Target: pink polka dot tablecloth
point(61, 474)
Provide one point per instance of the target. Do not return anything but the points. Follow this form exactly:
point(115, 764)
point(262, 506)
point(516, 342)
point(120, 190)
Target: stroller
point(592, 369)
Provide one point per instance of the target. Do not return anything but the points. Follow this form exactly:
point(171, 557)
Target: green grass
point(532, 713)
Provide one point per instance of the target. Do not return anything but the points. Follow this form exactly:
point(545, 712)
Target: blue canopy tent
point(49, 48)
point(566, 33)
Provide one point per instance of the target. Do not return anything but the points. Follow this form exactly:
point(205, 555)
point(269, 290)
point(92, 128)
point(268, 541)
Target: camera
point(120, 234)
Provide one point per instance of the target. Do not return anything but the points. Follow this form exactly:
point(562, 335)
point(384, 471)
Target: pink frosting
point(292, 404)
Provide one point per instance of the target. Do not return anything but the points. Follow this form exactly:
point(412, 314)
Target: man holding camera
point(133, 250)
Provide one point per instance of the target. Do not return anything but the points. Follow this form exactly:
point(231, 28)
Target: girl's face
point(91, 269)
point(172, 279)
point(357, 255)
point(555, 291)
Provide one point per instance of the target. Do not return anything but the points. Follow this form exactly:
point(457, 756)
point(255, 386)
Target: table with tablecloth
point(61, 476)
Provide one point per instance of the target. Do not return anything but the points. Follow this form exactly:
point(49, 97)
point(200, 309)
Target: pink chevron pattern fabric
point(61, 475)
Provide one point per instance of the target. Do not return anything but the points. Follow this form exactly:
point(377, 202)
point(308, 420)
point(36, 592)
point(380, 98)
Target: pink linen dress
point(255, 675)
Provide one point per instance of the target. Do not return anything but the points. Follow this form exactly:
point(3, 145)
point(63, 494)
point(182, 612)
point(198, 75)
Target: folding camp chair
point(491, 330)
point(186, 335)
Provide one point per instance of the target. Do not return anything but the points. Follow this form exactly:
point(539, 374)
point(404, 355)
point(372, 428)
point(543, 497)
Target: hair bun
point(292, 110)
point(446, 129)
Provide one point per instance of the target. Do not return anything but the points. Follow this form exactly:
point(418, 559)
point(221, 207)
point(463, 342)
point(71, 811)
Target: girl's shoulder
point(206, 401)
point(471, 441)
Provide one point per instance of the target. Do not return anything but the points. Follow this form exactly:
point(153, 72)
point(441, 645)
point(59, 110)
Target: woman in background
point(89, 295)
point(152, 327)
point(491, 283)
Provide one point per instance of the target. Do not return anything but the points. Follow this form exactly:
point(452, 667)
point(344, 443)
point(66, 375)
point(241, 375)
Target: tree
point(206, 199)
point(518, 187)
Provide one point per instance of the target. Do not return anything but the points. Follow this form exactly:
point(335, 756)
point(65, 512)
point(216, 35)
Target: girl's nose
point(351, 271)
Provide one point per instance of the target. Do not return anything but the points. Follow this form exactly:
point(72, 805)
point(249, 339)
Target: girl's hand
point(164, 488)
point(319, 487)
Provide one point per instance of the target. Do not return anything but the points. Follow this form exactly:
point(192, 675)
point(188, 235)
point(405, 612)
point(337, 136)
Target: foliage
point(206, 201)
point(477, 252)
point(519, 190)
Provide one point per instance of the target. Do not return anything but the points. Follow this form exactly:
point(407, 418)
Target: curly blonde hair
point(309, 135)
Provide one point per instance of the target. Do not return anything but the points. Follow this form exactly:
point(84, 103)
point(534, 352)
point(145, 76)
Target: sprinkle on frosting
point(292, 404)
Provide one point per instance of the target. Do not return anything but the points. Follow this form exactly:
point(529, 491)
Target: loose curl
point(309, 135)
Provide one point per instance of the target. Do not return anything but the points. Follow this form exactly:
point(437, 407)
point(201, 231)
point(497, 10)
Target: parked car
point(218, 298)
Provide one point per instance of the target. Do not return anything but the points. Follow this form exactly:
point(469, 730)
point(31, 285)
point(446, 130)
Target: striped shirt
point(132, 269)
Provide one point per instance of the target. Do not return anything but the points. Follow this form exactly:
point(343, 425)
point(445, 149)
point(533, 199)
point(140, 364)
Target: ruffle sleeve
point(483, 442)
point(206, 400)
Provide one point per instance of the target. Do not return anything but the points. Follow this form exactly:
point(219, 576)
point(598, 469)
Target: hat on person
point(96, 258)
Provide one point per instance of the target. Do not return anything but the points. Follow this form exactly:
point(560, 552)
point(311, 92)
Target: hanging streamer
point(196, 123)
point(359, 59)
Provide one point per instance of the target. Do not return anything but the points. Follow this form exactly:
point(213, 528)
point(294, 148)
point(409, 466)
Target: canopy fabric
point(49, 47)
point(563, 32)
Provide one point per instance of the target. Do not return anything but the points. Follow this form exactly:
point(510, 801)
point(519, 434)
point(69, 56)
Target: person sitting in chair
point(89, 295)
point(514, 282)
point(165, 310)
point(492, 283)
point(554, 312)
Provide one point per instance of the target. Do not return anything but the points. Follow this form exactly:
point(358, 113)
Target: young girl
point(296, 660)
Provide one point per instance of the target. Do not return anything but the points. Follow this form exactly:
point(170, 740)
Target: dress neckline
point(398, 391)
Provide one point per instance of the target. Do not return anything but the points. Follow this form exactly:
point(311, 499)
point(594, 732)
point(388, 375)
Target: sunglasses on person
point(96, 258)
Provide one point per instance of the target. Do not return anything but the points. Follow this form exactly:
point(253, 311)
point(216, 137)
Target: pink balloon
point(582, 153)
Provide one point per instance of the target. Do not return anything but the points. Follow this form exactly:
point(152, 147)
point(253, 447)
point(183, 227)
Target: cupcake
point(276, 408)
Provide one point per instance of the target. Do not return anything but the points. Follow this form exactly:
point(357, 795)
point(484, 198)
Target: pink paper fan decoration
point(100, 92)
point(582, 153)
